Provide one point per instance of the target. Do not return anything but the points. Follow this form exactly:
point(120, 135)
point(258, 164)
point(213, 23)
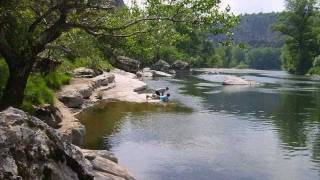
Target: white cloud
point(254, 6)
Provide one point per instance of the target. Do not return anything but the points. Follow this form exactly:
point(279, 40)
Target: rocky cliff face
point(30, 149)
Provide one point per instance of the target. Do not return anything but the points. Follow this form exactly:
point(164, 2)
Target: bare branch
point(126, 35)
point(51, 33)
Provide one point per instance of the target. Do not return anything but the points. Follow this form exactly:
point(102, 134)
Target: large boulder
point(71, 98)
point(103, 80)
point(83, 72)
point(30, 149)
point(85, 90)
point(127, 64)
point(180, 66)
point(162, 65)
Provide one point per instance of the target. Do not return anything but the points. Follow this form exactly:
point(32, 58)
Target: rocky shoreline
point(35, 149)
point(83, 92)
point(116, 85)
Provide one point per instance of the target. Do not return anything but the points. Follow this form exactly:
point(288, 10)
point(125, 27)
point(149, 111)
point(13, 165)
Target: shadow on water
point(105, 119)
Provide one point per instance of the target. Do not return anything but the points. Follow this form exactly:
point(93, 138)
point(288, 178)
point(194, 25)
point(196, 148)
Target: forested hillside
point(262, 45)
point(256, 30)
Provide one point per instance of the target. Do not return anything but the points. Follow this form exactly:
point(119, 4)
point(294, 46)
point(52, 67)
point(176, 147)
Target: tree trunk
point(16, 84)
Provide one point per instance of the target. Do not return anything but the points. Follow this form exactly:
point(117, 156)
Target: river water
point(210, 131)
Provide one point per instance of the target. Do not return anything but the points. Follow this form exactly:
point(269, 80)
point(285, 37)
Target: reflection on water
point(270, 131)
point(105, 119)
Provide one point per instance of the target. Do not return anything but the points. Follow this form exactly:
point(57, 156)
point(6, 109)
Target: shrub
point(37, 92)
point(315, 71)
point(56, 79)
point(4, 73)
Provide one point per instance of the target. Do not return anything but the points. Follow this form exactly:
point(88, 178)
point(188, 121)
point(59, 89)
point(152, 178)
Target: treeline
point(300, 25)
point(253, 44)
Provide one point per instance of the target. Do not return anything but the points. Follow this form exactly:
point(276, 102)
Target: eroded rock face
point(127, 64)
point(180, 66)
point(30, 149)
point(49, 114)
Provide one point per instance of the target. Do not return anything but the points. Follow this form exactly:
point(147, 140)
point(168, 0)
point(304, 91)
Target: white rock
point(71, 98)
point(233, 80)
point(161, 74)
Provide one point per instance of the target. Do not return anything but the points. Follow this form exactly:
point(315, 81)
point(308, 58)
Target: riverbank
point(116, 85)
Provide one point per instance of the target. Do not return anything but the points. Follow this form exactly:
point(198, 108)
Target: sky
point(254, 6)
point(246, 6)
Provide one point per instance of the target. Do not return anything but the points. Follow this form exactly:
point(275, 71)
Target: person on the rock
point(162, 91)
point(165, 98)
point(161, 98)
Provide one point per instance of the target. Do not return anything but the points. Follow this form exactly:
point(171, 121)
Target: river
point(218, 132)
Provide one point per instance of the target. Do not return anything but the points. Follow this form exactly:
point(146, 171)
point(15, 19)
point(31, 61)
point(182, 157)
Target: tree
point(28, 27)
point(297, 24)
point(264, 58)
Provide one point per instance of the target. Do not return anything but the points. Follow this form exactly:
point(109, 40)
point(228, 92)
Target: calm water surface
point(214, 132)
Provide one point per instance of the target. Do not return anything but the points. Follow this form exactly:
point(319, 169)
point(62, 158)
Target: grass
point(40, 89)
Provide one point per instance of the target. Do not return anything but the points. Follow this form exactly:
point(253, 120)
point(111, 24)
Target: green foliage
point(83, 33)
point(37, 92)
point(242, 65)
point(316, 62)
point(264, 58)
point(299, 24)
point(314, 71)
point(56, 79)
point(172, 36)
point(4, 73)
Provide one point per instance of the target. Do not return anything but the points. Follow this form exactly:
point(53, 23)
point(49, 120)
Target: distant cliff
point(256, 31)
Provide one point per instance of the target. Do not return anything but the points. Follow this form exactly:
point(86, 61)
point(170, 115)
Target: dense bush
point(3, 75)
point(37, 92)
point(39, 89)
point(314, 71)
point(264, 58)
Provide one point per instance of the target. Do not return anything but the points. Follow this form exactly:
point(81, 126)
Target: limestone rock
point(127, 64)
point(161, 74)
point(180, 65)
point(30, 149)
point(91, 154)
point(83, 72)
point(49, 114)
point(144, 74)
point(110, 77)
point(71, 98)
point(85, 90)
point(161, 65)
point(233, 80)
point(104, 165)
